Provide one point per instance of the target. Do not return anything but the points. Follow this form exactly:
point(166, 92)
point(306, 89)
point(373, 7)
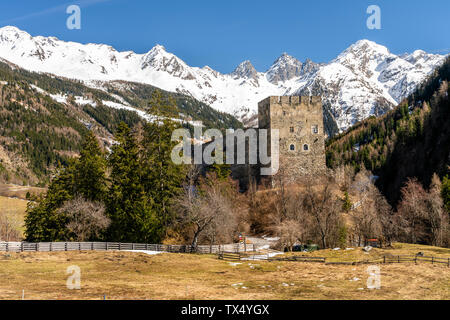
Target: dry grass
point(16, 191)
point(14, 207)
point(357, 254)
point(127, 275)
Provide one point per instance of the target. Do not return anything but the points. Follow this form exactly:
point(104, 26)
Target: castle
point(299, 120)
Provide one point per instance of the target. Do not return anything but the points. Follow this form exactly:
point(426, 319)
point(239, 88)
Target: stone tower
point(301, 133)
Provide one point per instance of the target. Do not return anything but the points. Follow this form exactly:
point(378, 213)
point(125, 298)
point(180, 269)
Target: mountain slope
point(44, 117)
point(364, 80)
point(413, 140)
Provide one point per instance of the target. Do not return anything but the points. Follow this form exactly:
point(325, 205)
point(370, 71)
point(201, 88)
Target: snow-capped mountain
point(363, 80)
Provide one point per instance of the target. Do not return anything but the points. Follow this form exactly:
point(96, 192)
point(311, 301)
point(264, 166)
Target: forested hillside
point(44, 117)
point(412, 140)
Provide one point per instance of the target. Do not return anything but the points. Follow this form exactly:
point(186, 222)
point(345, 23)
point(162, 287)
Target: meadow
point(131, 275)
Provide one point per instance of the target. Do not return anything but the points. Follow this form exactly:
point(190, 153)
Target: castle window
point(305, 147)
point(291, 129)
point(292, 147)
point(315, 129)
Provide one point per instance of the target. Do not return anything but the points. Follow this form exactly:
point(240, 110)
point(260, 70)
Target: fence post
point(448, 262)
point(432, 260)
point(92, 246)
point(7, 247)
point(146, 246)
point(65, 246)
point(398, 259)
point(79, 246)
point(132, 246)
point(120, 246)
point(21, 246)
point(51, 247)
point(37, 247)
point(415, 259)
point(384, 259)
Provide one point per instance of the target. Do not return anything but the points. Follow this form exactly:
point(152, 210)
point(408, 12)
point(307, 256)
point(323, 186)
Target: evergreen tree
point(446, 192)
point(347, 204)
point(42, 221)
point(162, 177)
point(84, 176)
point(130, 209)
point(90, 179)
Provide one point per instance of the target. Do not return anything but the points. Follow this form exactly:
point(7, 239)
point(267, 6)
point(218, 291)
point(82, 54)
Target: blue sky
point(222, 34)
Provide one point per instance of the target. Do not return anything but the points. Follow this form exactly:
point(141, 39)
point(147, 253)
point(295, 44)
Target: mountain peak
point(158, 47)
point(13, 32)
point(284, 68)
point(245, 70)
point(365, 46)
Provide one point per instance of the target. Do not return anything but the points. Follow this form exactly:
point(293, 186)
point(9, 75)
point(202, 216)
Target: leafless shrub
point(86, 219)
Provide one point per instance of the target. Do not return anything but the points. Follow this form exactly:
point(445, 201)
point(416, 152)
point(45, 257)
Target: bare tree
point(86, 219)
point(290, 231)
point(365, 212)
point(324, 209)
point(10, 225)
point(412, 211)
point(344, 176)
point(387, 218)
point(436, 214)
point(207, 209)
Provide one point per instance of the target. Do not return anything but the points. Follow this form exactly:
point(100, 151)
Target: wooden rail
point(103, 246)
point(298, 258)
point(416, 259)
point(230, 256)
point(384, 259)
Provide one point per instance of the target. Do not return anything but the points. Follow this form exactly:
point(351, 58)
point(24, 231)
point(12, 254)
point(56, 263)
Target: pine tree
point(347, 204)
point(90, 179)
point(446, 192)
point(42, 221)
point(130, 209)
point(84, 176)
point(162, 177)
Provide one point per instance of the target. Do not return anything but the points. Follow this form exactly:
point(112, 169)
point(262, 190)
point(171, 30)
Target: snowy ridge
point(364, 80)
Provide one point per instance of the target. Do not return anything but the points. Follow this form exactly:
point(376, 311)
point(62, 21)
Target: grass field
point(129, 275)
point(14, 208)
point(16, 191)
point(13, 203)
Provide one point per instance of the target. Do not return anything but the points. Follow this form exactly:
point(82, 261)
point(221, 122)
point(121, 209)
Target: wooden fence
point(298, 258)
point(230, 256)
point(415, 259)
point(103, 246)
point(384, 259)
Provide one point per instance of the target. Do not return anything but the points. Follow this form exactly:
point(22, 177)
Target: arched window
point(292, 147)
point(305, 147)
